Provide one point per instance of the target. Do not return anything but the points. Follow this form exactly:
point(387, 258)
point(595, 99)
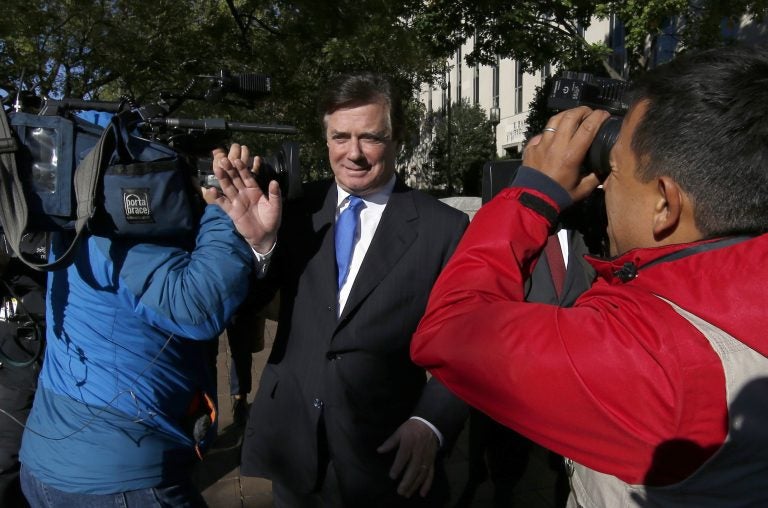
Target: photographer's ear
point(673, 211)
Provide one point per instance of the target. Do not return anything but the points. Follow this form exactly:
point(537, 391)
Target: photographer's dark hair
point(350, 90)
point(706, 127)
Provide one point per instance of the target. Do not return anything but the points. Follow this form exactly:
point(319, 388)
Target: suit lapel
point(325, 261)
point(579, 276)
point(395, 234)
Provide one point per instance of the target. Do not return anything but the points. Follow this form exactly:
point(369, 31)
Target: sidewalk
point(219, 474)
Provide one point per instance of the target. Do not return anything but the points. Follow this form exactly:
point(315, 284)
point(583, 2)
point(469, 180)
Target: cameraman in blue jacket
point(126, 399)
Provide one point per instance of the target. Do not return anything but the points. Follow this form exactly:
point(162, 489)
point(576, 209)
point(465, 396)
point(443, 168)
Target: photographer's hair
point(351, 90)
point(706, 127)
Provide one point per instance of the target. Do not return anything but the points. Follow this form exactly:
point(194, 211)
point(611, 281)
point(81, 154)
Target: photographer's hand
point(559, 151)
point(256, 215)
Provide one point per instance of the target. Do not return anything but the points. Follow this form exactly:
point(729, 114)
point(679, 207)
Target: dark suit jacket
point(578, 276)
point(338, 388)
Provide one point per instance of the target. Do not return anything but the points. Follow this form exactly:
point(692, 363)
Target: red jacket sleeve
point(598, 383)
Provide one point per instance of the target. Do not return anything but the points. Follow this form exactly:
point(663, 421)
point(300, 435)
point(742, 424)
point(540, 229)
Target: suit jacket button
point(317, 403)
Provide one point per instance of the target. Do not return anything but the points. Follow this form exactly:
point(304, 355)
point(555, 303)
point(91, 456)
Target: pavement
point(218, 475)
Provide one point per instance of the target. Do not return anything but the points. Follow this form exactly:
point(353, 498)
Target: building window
point(518, 88)
point(495, 90)
point(665, 43)
point(476, 85)
point(546, 71)
point(458, 75)
point(618, 57)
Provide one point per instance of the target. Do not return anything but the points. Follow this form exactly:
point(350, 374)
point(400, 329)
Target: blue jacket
point(130, 329)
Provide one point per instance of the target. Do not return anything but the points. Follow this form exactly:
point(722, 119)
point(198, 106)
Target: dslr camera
point(574, 89)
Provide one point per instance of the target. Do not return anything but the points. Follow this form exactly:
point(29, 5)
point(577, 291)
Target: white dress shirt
point(562, 237)
point(370, 216)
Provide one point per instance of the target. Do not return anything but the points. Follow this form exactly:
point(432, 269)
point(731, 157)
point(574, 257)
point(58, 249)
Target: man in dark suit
point(342, 416)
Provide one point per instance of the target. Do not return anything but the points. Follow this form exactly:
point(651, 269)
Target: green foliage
point(139, 48)
point(104, 49)
point(550, 31)
point(694, 24)
point(534, 33)
point(312, 42)
point(463, 142)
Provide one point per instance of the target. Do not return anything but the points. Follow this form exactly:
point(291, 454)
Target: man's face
point(629, 202)
point(360, 147)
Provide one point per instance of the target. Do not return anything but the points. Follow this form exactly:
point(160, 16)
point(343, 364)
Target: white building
point(501, 86)
point(503, 90)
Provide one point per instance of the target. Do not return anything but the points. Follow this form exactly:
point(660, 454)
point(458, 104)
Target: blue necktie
point(346, 227)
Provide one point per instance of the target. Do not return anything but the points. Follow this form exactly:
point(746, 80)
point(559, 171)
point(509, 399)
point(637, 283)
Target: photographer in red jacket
point(653, 384)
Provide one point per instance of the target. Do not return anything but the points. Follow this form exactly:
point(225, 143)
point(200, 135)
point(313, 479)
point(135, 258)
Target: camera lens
point(598, 157)
point(283, 166)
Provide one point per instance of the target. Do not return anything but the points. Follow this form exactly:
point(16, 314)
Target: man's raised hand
point(256, 215)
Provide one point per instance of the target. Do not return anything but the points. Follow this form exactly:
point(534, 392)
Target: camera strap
point(14, 212)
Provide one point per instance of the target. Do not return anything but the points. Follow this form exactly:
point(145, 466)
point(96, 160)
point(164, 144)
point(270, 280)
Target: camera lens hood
point(598, 157)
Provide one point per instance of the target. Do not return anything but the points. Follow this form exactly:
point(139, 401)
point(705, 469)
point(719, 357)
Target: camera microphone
point(251, 85)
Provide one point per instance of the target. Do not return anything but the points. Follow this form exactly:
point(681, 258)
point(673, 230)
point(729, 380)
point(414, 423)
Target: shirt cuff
point(434, 429)
point(261, 261)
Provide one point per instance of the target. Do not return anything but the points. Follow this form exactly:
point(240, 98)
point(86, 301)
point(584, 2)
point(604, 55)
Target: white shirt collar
point(380, 197)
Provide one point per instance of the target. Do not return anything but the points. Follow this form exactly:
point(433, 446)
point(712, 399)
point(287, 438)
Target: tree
point(536, 33)
point(307, 43)
point(106, 49)
point(693, 24)
point(463, 142)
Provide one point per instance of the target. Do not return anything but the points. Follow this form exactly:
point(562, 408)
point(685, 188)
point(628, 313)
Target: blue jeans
point(40, 495)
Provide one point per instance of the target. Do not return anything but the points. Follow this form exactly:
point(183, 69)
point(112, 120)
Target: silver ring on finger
point(549, 129)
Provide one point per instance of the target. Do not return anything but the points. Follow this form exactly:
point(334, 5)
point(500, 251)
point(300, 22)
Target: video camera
point(282, 166)
point(185, 134)
point(50, 145)
point(575, 89)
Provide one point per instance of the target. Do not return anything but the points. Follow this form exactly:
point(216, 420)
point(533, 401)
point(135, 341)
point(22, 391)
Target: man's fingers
point(561, 128)
point(417, 477)
point(236, 171)
point(245, 154)
point(424, 490)
point(409, 482)
point(392, 440)
point(234, 151)
point(561, 148)
point(210, 194)
point(274, 190)
point(228, 177)
point(588, 129)
point(400, 463)
point(247, 174)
